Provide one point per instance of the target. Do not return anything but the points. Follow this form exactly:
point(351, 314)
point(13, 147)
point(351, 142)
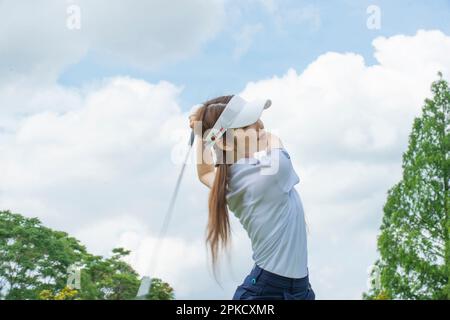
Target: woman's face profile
point(249, 133)
point(246, 138)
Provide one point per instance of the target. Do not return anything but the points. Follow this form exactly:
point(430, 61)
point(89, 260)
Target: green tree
point(414, 241)
point(32, 257)
point(160, 290)
point(66, 293)
point(34, 261)
point(114, 279)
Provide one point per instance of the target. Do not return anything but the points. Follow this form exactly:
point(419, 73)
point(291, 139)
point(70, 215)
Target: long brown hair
point(218, 228)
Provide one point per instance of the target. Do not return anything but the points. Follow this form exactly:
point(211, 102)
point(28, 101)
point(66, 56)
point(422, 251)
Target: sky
point(95, 95)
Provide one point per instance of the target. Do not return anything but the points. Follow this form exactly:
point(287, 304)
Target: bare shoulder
point(274, 141)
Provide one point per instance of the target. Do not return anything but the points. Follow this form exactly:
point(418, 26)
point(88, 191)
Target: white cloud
point(286, 12)
point(35, 40)
point(177, 258)
point(152, 32)
point(111, 148)
point(244, 39)
point(401, 55)
point(309, 15)
point(97, 161)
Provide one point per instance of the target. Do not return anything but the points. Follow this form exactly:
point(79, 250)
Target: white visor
point(238, 113)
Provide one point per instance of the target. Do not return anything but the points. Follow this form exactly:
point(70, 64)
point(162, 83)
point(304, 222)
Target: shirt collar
point(247, 161)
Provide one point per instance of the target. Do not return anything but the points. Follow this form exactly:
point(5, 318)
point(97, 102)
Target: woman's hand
point(192, 119)
point(205, 168)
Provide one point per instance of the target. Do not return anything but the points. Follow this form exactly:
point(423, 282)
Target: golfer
point(250, 173)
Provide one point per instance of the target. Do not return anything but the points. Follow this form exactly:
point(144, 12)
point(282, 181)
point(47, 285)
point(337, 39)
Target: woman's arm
point(205, 166)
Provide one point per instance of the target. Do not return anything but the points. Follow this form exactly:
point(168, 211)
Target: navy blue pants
point(264, 285)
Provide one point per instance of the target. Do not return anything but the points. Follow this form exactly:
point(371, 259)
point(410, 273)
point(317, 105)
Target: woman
point(252, 176)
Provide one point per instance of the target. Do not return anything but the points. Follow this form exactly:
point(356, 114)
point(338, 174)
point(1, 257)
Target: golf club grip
point(191, 139)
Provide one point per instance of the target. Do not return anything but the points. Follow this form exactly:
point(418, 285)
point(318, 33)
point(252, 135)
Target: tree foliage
point(32, 257)
point(66, 293)
point(160, 291)
point(414, 241)
point(34, 262)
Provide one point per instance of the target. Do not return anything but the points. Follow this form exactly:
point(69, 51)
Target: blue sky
point(90, 119)
point(294, 43)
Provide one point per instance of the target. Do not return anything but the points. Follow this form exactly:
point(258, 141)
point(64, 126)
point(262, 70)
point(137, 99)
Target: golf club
point(146, 281)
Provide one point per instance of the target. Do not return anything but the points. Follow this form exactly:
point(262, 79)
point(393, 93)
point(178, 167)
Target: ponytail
point(218, 230)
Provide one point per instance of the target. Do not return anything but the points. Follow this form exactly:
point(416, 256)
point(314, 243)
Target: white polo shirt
point(262, 196)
